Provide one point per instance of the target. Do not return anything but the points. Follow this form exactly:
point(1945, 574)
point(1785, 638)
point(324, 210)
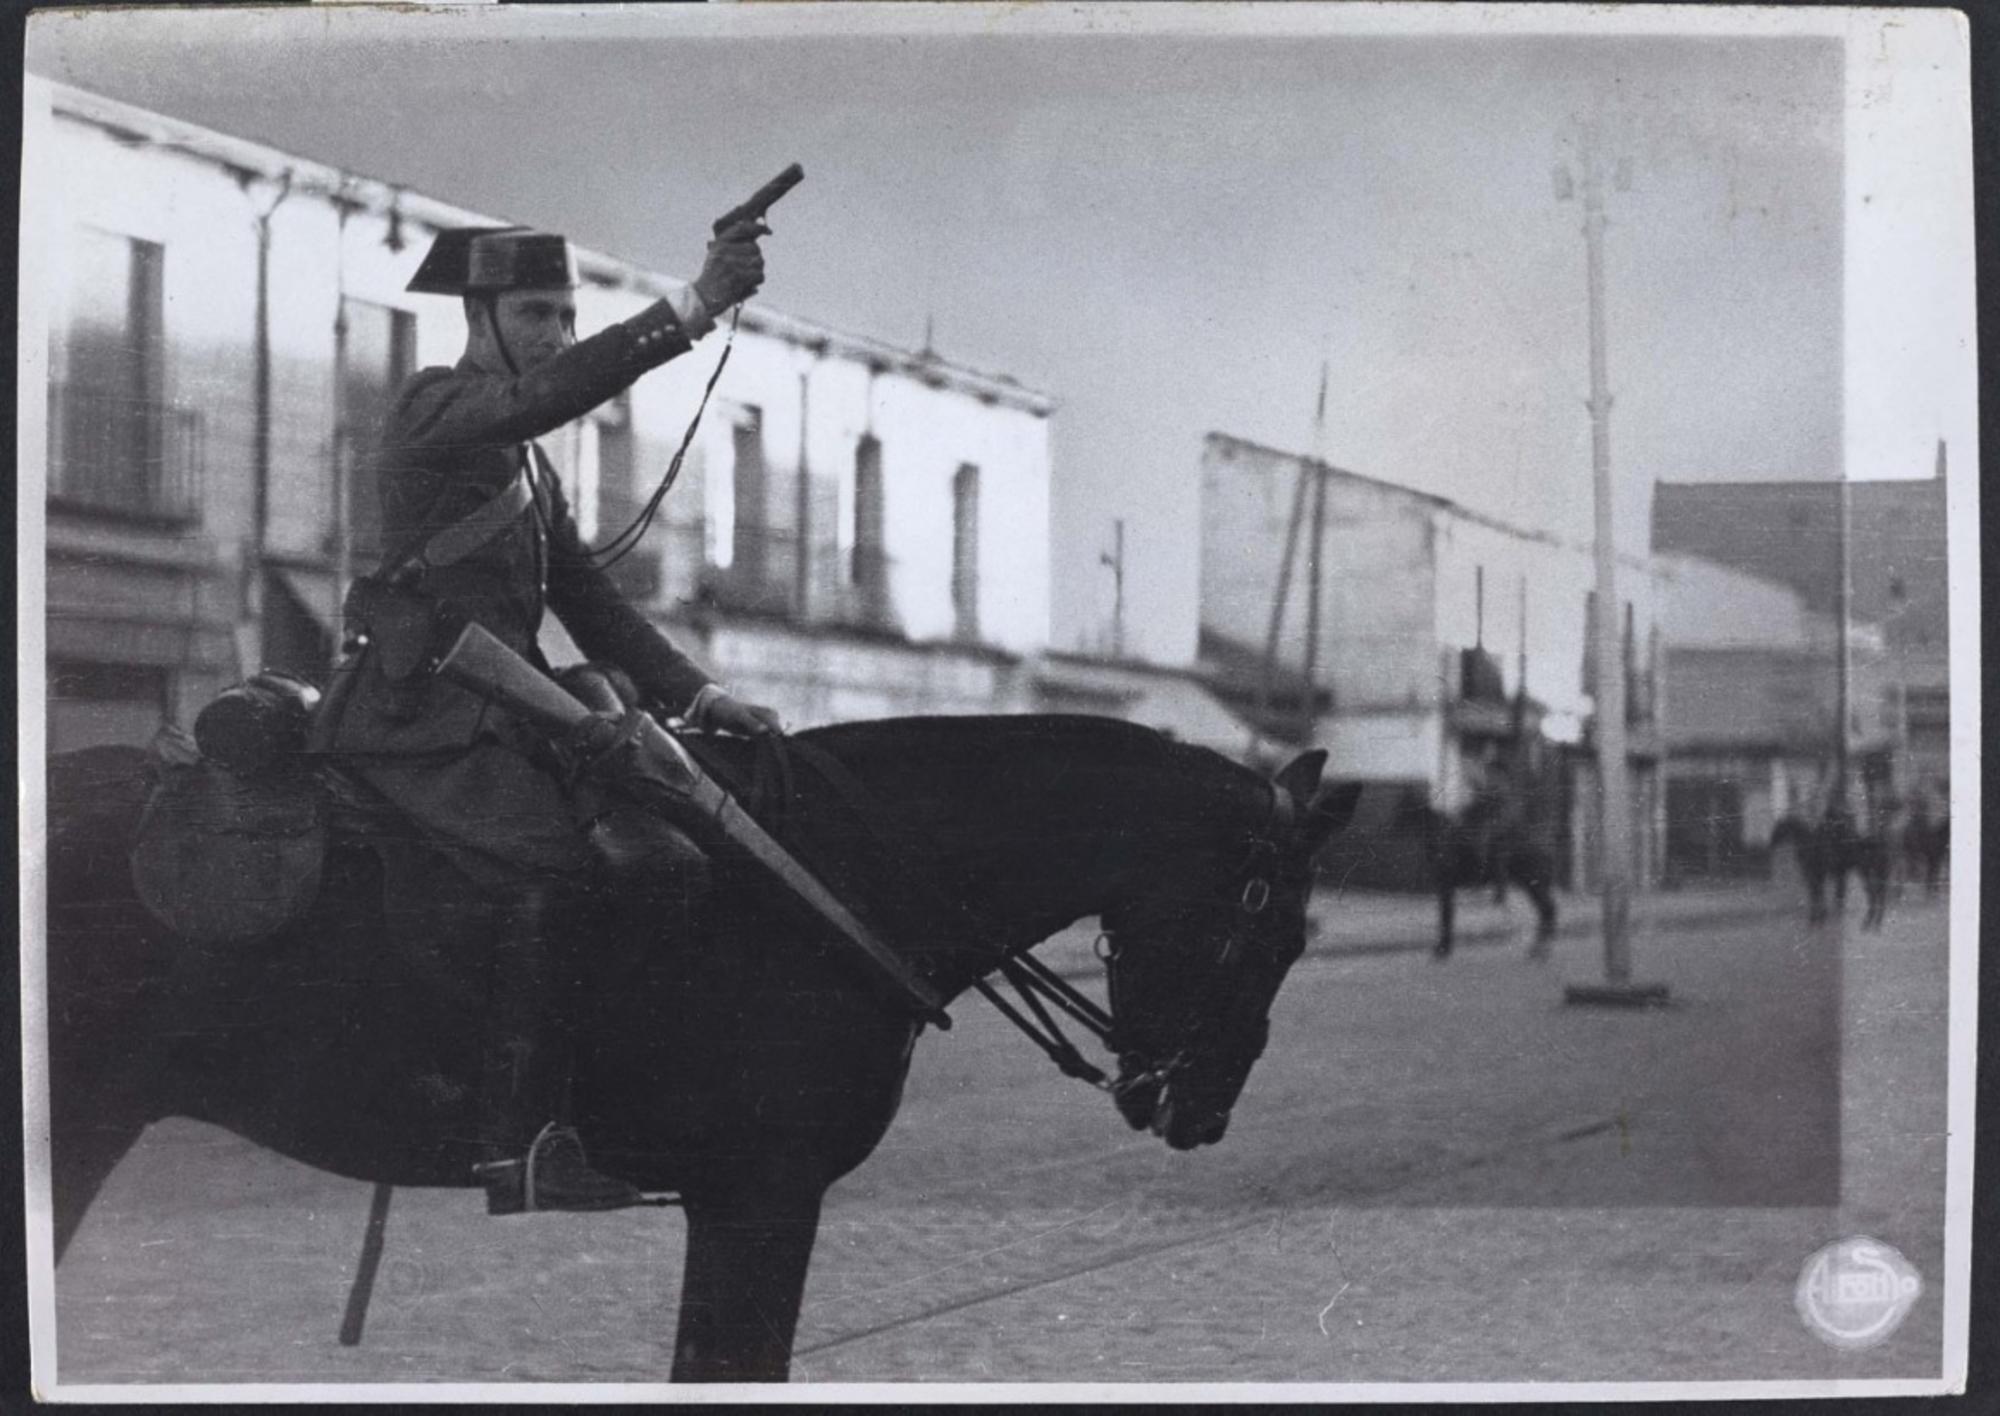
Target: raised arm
point(500, 409)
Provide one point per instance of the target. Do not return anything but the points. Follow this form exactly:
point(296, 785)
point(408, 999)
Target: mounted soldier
point(479, 532)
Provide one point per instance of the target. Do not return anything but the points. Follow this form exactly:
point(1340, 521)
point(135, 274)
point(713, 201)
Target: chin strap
point(492, 303)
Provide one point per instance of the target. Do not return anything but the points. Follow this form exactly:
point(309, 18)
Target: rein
point(1033, 981)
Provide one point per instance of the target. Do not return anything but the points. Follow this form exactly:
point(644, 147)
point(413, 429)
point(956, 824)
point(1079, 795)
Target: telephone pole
point(1844, 705)
point(1115, 558)
point(1614, 794)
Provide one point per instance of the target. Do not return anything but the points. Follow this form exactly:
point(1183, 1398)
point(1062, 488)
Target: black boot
point(531, 1162)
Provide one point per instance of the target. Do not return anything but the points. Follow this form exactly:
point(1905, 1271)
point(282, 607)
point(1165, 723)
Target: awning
point(1171, 702)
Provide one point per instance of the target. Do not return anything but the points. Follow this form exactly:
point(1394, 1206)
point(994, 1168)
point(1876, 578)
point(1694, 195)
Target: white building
point(1431, 618)
point(858, 529)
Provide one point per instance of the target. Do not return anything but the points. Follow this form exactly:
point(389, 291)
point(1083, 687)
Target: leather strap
point(462, 538)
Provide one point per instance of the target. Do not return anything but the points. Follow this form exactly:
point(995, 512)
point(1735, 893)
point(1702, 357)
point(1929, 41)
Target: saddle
point(233, 842)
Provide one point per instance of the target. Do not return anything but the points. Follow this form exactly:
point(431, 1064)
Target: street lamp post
point(1614, 794)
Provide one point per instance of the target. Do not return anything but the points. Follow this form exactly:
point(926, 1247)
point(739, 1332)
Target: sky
point(1172, 232)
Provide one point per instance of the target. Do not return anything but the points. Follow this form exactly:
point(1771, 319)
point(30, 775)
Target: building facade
point(1434, 627)
point(1753, 676)
point(857, 529)
point(1791, 534)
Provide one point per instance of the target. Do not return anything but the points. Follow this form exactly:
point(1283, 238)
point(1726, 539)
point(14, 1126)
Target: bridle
point(1038, 985)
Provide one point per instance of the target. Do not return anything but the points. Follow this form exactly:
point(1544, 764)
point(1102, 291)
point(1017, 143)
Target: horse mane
point(1040, 815)
point(1109, 745)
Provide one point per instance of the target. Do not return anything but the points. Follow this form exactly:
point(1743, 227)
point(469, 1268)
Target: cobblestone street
point(1439, 1172)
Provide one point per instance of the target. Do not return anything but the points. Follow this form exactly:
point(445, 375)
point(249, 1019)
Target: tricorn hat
point(470, 260)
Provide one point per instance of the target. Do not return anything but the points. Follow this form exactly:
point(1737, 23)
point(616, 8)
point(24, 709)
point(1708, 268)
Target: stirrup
point(522, 1185)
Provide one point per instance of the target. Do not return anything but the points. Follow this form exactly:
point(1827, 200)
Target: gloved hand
point(717, 711)
point(734, 268)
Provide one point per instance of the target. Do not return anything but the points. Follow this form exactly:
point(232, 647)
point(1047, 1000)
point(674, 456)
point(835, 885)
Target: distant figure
point(1926, 839)
point(1494, 839)
point(1846, 833)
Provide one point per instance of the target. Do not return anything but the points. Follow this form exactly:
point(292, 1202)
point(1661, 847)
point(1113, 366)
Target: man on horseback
point(479, 531)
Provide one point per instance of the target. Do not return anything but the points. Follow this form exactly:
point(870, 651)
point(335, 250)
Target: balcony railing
point(124, 456)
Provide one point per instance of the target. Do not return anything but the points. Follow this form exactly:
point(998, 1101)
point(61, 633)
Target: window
point(866, 566)
point(614, 455)
point(718, 498)
point(1927, 710)
point(1634, 704)
point(378, 353)
point(578, 457)
point(748, 478)
point(114, 445)
point(965, 552)
point(1589, 682)
point(1634, 679)
point(592, 458)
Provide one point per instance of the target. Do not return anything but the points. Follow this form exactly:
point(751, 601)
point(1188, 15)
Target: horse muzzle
point(1151, 1100)
point(1184, 1125)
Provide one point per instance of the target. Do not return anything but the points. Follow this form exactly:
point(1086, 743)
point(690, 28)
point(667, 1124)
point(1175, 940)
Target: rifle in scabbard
point(480, 662)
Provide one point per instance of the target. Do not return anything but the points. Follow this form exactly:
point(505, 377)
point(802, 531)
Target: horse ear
point(1332, 808)
point(1301, 776)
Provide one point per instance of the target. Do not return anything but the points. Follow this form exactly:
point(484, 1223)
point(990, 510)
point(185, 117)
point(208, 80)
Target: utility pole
point(1309, 681)
point(1115, 558)
point(802, 504)
point(343, 552)
point(1308, 685)
point(250, 646)
point(1518, 718)
point(1278, 599)
point(1614, 794)
point(1843, 653)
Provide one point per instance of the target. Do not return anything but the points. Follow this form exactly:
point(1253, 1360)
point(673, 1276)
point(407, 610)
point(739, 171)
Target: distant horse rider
point(1494, 813)
point(478, 529)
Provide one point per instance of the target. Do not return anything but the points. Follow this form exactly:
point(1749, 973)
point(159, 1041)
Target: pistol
point(766, 197)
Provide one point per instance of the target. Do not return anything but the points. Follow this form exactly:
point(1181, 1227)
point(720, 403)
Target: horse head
point(1193, 971)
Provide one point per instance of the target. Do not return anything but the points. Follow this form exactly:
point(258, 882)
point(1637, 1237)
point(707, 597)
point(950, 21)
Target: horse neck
point(1154, 843)
point(1089, 819)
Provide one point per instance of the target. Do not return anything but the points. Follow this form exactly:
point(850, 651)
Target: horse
point(1493, 841)
point(740, 1062)
point(1926, 845)
point(1827, 850)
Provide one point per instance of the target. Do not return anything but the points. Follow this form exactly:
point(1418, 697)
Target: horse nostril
point(1139, 1104)
point(1182, 1133)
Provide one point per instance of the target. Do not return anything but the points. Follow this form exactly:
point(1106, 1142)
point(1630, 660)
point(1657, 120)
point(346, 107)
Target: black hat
point(474, 259)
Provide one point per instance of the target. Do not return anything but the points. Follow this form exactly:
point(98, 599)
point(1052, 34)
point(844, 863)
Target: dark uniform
point(455, 441)
point(477, 529)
